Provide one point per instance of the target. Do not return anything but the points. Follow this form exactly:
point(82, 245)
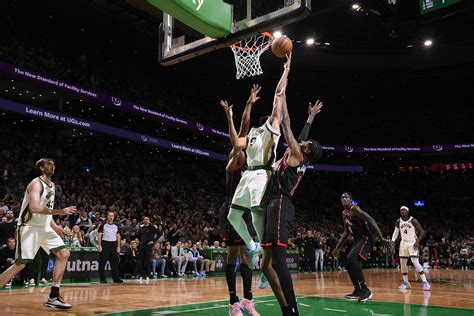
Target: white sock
point(252, 245)
point(56, 284)
point(405, 278)
point(423, 277)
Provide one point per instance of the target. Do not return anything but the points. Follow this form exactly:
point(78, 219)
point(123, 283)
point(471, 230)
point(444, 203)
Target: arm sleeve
point(395, 234)
point(304, 132)
point(101, 228)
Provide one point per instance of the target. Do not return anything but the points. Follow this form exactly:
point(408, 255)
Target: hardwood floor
point(451, 288)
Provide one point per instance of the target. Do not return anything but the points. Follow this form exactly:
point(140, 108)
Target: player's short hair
point(347, 193)
point(316, 151)
point(41, 163)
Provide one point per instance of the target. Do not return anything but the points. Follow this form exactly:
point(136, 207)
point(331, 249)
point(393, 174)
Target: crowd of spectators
point(181, 199)
point(181, 196)
point(89, 60)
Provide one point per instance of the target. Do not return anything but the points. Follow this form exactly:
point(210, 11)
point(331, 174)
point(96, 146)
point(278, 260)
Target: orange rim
point(237, 45)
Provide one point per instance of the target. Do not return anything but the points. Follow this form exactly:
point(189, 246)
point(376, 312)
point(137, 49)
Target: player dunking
point(411, 235)
point(36, 228)
point(235, 246)
point(356, 223)
point(260, 145)
point(280, 210)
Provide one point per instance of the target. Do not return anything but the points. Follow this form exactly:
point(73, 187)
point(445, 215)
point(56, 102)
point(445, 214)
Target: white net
point(247, 54)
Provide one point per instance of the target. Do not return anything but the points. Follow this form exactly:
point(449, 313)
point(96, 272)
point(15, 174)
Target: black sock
point(54, 292)
point(246, 274)
point(230, 278)
point(290, 310)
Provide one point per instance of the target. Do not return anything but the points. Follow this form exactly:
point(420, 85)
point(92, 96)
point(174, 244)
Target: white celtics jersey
point(46, 200)
point(261, 146)
point(407, 230)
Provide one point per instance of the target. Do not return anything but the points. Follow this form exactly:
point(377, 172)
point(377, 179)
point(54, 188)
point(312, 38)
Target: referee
point(109, 248)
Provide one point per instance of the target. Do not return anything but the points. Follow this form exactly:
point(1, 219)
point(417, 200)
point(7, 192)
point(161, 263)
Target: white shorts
point(31, 238)
point(251, 188)
point(407, 250)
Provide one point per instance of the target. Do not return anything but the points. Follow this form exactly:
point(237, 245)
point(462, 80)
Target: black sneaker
point(103, 281)
point(365, 296)
point(57, 302)
point(353, 296)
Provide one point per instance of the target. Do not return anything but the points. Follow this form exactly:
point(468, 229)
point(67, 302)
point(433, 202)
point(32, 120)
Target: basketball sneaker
point(234, 310)
point(254, 255)
point(249, 307)
point(57, 302)
point(365, 295)
point(405, 286)
point(353, 296)
point(426, 286)
point(263, 282)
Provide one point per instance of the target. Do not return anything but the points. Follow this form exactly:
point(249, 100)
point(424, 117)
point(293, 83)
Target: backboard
point(179, 42)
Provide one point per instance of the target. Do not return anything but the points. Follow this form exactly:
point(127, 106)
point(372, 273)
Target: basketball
point(282, 46)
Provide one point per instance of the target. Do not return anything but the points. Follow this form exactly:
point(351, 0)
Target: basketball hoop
point(247, 54)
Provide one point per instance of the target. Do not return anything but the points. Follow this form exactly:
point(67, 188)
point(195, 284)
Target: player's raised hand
point(227, 108)
point(313, 110)
point(254, 97)
point(68, 210)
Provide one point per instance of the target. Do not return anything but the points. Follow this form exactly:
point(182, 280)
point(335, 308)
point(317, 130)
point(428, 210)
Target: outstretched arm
point(276, 117)
point(357, 211)
point(236, 141)
point(294, 157)
point(313, 110)
point(396, 231)
point(245, 122)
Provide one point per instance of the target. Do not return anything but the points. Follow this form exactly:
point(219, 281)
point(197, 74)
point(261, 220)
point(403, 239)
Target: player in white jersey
point(260, 145)
point(411, 235)
point(36, 228)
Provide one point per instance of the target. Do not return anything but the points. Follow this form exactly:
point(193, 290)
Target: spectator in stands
point(158, 261)
point(179, 258)
point(131, 256)
point(77, 237)
point(197, 261)
point(84, 222)
point(7, 257)
point(7, 228)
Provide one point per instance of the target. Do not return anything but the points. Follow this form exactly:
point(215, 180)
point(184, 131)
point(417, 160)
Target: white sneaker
point(31, 282)
point(9, 284)
point(57, 302)
point(43, 281)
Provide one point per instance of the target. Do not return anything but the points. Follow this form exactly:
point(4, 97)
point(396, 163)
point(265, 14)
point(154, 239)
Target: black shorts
point(230, 236)
point(280, 213)
point(361, 248)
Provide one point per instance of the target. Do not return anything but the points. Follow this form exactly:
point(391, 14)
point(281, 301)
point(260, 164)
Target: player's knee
point(63, 254)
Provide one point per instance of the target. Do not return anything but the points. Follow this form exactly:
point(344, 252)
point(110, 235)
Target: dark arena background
point(124, 96)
